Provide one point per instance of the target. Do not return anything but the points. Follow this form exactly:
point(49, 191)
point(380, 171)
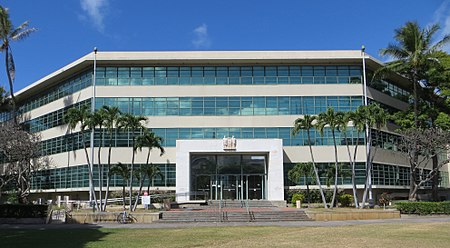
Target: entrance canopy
point(229, 169)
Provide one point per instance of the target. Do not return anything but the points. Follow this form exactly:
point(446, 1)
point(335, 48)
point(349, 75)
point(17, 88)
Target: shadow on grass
point(51, 237)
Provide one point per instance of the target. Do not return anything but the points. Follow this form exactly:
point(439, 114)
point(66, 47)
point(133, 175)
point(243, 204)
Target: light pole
point(368, 164)
point(91, 168)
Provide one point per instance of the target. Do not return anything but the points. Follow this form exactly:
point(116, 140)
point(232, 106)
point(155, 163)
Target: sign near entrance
point(229, 143)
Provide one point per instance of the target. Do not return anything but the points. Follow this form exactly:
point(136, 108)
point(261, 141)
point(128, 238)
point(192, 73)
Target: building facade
point(225, 118)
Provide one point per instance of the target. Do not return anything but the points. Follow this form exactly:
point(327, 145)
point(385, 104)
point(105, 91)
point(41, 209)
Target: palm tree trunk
point(100, 170)
point(307, 191)
point(123, 196)
point(108, 177)
point(415, 155)
point(91, 177)
point(316, 172)
point(369, 162)
point(141, 185)
point(131, 173)
point(352, 164)
point(435, 180)
point(336, 169)
point(11, 86)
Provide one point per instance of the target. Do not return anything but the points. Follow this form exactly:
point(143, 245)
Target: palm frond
point(394, 51)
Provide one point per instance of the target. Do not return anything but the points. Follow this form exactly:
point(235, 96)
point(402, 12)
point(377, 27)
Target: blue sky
point(69, 29)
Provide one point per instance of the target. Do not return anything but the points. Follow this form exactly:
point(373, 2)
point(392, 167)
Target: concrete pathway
point(403, 219)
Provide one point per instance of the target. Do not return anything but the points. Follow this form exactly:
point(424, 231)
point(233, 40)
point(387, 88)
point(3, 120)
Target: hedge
point(23, 211)
point(423, 208)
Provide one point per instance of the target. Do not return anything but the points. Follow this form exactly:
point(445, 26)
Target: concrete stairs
point(235, 211)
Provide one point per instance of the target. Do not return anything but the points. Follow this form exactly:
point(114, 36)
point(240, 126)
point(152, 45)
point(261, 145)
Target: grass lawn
point(386, 235)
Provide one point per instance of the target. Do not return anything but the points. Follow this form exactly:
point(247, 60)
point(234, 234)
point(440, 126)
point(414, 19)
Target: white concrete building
point(195, 99)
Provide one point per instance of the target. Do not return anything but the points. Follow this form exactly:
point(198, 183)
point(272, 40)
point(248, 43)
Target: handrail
point(220, 211)
point(247, 207)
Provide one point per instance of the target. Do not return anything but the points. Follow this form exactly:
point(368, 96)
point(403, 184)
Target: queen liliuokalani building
point(225, 117)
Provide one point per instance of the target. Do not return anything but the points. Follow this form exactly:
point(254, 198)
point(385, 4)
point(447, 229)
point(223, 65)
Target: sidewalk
point(404, 219)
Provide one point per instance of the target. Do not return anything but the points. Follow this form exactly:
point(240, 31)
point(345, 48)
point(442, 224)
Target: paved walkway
point(404, 219)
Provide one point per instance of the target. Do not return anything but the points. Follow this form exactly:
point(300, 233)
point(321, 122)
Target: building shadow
point(51, 235)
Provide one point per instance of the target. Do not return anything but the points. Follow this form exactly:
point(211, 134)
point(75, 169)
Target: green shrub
point(297, 197)
point(23, 211)
point(313, 196)
point(346, 200)
point(423, 208)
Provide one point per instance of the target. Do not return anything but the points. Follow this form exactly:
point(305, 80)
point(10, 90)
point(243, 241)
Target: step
point(234, 216)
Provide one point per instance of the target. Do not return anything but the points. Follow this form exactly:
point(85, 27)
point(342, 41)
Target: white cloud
point(201, 40)
point(95, 12)
point(442, 16)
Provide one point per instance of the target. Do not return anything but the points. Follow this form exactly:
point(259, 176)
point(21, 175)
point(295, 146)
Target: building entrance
point(234, 177)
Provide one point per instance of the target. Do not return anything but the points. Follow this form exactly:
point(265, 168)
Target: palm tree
point(132, 124)
point(331, 119)
point(152, 171)
point(97, 119)
point(375, 118)
point(414, 53)
point(111, 116)
point(149, 171)
point(302, 170)
point(150, 140)
point(124, 172)
point(82, 116)
point(8, 34)
point(307, 123)
point(342, 127)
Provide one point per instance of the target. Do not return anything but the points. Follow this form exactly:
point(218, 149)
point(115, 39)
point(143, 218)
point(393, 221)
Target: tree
point(374, 118)
point(418, 58)
point(111, 117)
point(430, 142)
point(20, 152)
point(414, 54)
point(124, 172)
point(150, 140)
point(97, 119)
point(132, 124)
point(305, 170)
point(331, 119)
point(82, 116)
point(307, 123)
point(149, 171)
point(8, 34)
point(356, 119)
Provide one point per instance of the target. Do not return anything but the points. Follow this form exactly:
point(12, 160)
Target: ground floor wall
point(68, 173)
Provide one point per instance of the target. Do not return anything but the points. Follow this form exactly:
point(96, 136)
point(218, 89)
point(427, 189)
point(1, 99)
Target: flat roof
point(197, 57)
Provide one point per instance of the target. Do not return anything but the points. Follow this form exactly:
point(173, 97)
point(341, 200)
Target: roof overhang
point(324, 57)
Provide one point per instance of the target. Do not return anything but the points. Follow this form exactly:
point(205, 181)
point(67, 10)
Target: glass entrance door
point(237, 187)
point(225, 187)
point(255, 187)
point(228, 176)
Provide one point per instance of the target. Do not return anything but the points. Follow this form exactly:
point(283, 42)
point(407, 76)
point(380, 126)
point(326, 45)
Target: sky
point(70, 29)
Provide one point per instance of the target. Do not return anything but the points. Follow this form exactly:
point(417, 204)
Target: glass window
point(234, 71)
point(271, 71)
point(172, 71)
point(124, 72)
point(197, 71)
point(160, 71)
point(258, 71)
point(307, 71)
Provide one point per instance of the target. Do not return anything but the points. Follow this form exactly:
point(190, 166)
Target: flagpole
point(366, 103)
point(91, 168)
